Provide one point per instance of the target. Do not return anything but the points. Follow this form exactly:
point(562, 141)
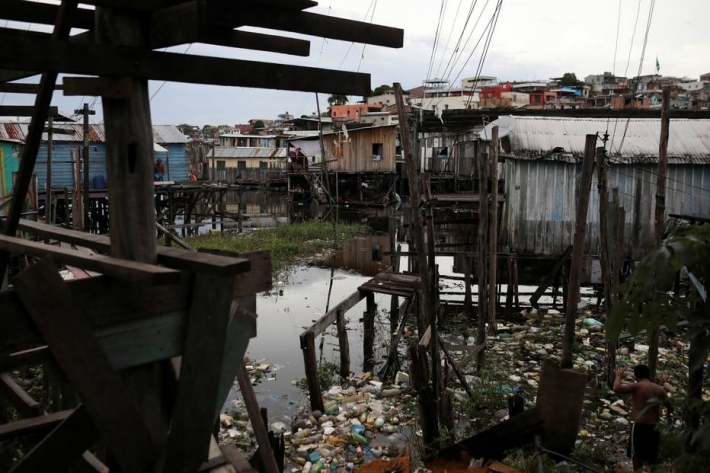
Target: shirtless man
point(644, 438)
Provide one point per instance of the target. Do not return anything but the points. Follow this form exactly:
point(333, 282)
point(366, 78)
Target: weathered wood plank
point(258, 279)
point(23, 111)
point(122, 269)
point(33, 425)
point(21, 52)
point(88, 463)
point(173, 257)
point(494, 442)
point(18, 398)
point(63, 446)
point(42, 13)
point(32, 89)
point(107, 87)
point(241, 328)
point(188, 441)
point(308, 347)
point(50, 304)
point(24, 358)
point(327, 320)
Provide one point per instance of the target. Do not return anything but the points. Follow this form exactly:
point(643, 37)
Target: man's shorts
point(644, 442)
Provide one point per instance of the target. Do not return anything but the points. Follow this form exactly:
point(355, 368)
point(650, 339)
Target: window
point(221, 166)
point(263, 165)
point(241, 165)
point(377, 151)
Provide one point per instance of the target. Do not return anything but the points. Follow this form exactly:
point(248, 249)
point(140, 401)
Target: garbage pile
point(362, 421)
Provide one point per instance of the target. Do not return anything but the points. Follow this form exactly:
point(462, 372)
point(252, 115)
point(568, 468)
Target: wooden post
point(85, 156)
point(48, 183)
point(575, 275)
point(482, 273)
point(660, 208)
point(77, 204)
point(308, 346)
point(368, 352)
point(604, 255)
point(467, 296)
point(425, 401)
point(515, 284)
point(434, 291)
point(509, 288)
point(343, 344)
point(240, 192)
point(493, 241)
point(415, 200)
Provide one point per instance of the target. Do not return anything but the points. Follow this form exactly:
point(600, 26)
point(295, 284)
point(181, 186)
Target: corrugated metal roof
point(242, 152)
point(162, 134)
point(537, 137)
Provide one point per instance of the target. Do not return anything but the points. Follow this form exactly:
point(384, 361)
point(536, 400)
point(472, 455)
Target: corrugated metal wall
point(540, 203)
point(178, 161)
point(9, 164)
point(356, 156)
point(62, 164)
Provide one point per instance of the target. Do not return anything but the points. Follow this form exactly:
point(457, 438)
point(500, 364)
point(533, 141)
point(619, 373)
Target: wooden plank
point(179, 259)
point(308, 348)
point(23, 111)
point(119, 268)
point(18, 398)
point(324, 322)
point(187, 23)
point(192, 423)
point(237, 459)
point(549, 278)
point(20, 52)
point(311, 24)
point(63, 446)
point(53, 310)
point(13, 88)
point(42, 13)
point(107, 87)
point(24, 358)
point(241, 329)
point(32, 426)
point(258, 279)
point(494, 442)
point(88, 463)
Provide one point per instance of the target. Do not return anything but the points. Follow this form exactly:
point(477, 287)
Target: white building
point(379, 118)
point(517, 99)
point(385, 99)
point(480, 81)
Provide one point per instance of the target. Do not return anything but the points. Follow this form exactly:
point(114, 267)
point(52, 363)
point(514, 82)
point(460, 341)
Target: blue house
point(170, 146)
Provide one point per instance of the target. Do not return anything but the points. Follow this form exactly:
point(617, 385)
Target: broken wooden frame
point(118, 324)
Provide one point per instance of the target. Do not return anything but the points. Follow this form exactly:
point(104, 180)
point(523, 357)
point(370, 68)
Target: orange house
point(351, 113)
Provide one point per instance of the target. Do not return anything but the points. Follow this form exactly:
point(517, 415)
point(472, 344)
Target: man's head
point(160, 161)
point(642, 372)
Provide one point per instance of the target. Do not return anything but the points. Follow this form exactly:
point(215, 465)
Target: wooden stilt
point(343, 344)
point(308, 347)
point(482, 273)
point(369, 337)
point(493, 240)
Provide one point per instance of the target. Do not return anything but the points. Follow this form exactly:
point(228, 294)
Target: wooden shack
point(362, 150)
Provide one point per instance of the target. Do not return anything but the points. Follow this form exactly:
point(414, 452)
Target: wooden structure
point(152, 346)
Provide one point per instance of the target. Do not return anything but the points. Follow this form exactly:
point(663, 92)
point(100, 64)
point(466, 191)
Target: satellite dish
point(506, 126)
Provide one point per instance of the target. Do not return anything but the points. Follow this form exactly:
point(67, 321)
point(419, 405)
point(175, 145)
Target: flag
point(658, 66)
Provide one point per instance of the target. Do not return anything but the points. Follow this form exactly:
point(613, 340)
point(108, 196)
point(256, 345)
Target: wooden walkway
point(394, 284)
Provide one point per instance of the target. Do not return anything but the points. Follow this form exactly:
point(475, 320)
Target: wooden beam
point(453, 117)
point(192, 423)
point(107, 87)
point(204, 262)
point(14, 88)
point(115, 267)
point(32, 426)
point(190, 23)
point(20, 52)
point(18, 398)
point(24, 111)
point(24, 358)
point(43, 14)
point(58, 317)
point(327, 320)
point(8, 75)
point(63, 446)
point(258, 279)
point(312, 24)
point(89, 463)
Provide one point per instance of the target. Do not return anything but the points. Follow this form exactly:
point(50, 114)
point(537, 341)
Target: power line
point(436, 39)
point(448, 40)
point(484, 54)
point(164, 82)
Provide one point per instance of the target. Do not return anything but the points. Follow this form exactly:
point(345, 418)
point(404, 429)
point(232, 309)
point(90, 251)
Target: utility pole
point(660, 208)
point(48, 195)
point(85, 156)
point(605, 256)
point(580, 227)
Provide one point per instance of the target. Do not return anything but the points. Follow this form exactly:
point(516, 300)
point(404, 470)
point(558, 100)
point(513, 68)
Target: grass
point(288, 244)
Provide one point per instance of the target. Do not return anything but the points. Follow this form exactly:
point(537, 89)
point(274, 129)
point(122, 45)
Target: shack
point(541, 167)
point(177, 163)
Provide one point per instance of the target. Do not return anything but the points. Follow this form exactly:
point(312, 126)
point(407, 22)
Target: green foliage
point(258, 125)
point(570, 78)
point(336, 99)
point(646, 303)
point(328, 374)
point(287, 243)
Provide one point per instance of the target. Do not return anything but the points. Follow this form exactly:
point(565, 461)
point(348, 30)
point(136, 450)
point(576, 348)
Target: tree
point(336, 99)
point(570, 78)
point(258, 124)
point(381, 89)
point(647, 303)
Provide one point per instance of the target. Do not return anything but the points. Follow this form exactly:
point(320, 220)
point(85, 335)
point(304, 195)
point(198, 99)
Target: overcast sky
point(533, 40)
